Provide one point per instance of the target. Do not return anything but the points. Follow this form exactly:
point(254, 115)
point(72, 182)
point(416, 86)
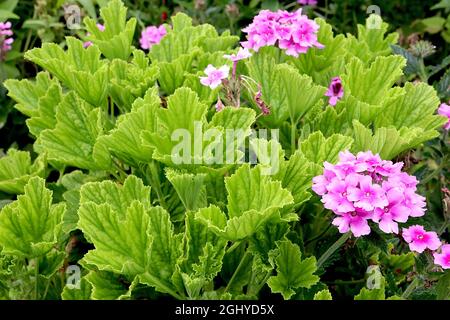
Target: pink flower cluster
point(364, 188)
point(294, 32)
point(152, 35)
point(5, 39)
point(444, 110)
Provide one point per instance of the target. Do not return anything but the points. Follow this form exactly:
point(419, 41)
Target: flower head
point(444, 110)
point(419, 239)
point(443, 258)
point(5, 39)
point(152, 35)
point(335, 91)
point(294, 32)
point(375, 189)
point(89, 43)
point(355, 221)
point(214, 76)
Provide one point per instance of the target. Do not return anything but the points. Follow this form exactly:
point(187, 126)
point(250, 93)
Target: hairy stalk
point(339, 242)
point(36, 276)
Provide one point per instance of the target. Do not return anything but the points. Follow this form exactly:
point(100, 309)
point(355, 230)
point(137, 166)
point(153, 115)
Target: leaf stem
point(293, 131)
point(236, 272)
point(339, 242)
point(411, 288)
point(36, 275)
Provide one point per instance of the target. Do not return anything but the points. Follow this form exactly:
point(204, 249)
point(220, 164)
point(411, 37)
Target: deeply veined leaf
point(27, 93)
point(30, 226)
point(79, 68)
point(323, 295)
point(293, 272)
point(248, 190)
point(16, 170)
point(301, 93)
point(74, 293)
point(190, 188)
point(115, 42)
point(125, 140)
point(414, 108)
point(316, 148)
point(389, 142)
point(118, 197)
point(73, 140)
point(108, 286)
point(372, 84)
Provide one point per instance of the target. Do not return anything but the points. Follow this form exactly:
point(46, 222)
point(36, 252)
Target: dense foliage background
point(424, 37)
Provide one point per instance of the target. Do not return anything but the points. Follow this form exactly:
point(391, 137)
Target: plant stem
point(293, 131)
point(234, 246)
point(36, 275)
point(236, 272)
point(410, 288)
point(339, 242)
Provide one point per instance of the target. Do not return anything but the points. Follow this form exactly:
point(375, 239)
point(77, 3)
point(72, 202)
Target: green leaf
point(118, 197)
point(248, 190)
point(189, 187)
point(73, 140)
point(293, 272)
point(125, 140)
point(372, 84)
point(371, 294)
point(323, 295)
point(173, 74)
point(412, 66)
point(115, 42)
point(83, 293)
point(184, 116)
point(27, 93)
point(16, 170)
point(30, 226)
point(389, 142)
point(129, 81)
point(108, 286)
point(80, 69)
point(298, 101)
point(316, 148)
point(415, 107)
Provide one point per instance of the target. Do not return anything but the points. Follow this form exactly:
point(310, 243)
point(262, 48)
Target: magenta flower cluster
point(152, 35)
point(293, 31)
point(364, 188)
point(5, 39)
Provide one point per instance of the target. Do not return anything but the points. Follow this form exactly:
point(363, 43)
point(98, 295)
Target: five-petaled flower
point(419, 239)
point(214, 76)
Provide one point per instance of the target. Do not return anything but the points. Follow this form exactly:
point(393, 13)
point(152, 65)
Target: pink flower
point(5, 42)
point(356, 221)
point(419, 239)
point(368, 196)
point(89, 43)
point(152, 35)
point(307, 2)
point(214, 76)
point(335, 91)
point(242, 54)
point(366, 183)
point(294, 32)
point(444, 110)
point(443, 258)
point(394, 212)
